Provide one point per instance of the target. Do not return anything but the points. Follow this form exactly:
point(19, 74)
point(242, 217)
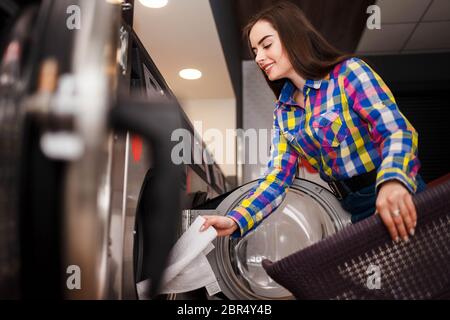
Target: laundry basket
point(362, 262)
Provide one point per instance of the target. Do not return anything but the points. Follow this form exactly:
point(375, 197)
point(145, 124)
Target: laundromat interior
point(124, 124)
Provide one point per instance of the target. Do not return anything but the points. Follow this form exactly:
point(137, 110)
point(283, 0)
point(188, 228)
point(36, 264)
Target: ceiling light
point(154, 3)
point(190, 74)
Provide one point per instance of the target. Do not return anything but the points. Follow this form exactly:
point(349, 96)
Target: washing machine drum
point(308, 214)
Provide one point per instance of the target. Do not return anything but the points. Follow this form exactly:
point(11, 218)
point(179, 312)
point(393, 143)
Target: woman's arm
point(370, 97)
point(267, 195)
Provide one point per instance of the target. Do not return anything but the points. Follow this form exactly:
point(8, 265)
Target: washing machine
point(308, 214)
point(200, 181)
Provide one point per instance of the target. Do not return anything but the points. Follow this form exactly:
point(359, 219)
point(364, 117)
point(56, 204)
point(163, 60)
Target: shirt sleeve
point(271, 189)
point(390, 130)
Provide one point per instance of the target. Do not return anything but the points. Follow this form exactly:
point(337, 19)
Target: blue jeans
point(361, 204)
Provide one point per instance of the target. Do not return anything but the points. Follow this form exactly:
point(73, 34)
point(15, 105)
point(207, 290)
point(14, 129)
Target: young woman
point(337, 113)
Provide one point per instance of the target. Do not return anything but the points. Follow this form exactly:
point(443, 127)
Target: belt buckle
point(336, 190)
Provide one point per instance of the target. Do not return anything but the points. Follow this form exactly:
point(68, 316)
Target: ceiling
point(409, 26)
point(183, 35)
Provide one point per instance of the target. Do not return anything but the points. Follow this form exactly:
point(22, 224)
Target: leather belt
point(343, 187)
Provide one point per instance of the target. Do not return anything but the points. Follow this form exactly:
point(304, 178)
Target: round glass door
point(297, 223)
point(308, 214)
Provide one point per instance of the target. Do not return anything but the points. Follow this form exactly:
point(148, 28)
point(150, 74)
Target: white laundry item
point(188, 268)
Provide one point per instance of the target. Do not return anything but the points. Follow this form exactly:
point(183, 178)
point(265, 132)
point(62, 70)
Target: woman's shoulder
point(356, 71)
point(351, 65)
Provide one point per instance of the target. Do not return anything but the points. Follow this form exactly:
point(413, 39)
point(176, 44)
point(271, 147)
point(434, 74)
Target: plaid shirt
point(350, 124)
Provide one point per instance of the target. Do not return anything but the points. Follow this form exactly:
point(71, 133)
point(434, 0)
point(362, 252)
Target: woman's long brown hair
point(311, 56)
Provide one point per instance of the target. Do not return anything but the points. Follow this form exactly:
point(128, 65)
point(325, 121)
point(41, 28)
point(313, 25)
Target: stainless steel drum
point(308, 214)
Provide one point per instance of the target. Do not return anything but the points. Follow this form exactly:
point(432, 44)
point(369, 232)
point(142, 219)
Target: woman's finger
point(394, 209)
point(389, 223)
point(399, 223)
point(407, 216)
point(209, 221)
point(411, 207)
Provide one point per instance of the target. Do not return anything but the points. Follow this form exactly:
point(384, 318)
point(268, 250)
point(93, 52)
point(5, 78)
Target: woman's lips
point(269, 67)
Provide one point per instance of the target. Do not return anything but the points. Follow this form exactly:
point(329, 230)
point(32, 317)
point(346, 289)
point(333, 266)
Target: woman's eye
point(268, 46)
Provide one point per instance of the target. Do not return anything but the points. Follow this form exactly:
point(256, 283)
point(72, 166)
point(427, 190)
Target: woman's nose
point(259, 59)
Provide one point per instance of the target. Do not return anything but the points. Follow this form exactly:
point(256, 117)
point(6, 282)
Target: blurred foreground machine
point(90, 201)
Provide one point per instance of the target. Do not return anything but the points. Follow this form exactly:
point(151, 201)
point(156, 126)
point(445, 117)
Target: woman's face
point(269, 52)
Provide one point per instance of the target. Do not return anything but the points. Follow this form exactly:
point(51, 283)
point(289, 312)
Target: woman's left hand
point(395, 206)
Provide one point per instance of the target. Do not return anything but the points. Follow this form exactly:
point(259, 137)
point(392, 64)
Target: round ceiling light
point(190, 74)
point(154, 3)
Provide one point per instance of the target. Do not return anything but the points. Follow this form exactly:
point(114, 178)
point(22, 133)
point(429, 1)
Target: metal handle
point(126, 6)
point(155, 122)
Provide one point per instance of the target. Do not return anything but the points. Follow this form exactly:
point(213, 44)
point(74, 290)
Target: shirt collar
point(288, 90)
point(315, 84)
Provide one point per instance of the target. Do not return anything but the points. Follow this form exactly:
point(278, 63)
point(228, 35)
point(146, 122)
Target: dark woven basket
point(343, 266)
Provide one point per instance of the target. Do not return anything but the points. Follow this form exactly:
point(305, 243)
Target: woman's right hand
point(223, 225)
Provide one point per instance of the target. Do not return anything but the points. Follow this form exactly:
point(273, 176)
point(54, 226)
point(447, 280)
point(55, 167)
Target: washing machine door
point(308, 214)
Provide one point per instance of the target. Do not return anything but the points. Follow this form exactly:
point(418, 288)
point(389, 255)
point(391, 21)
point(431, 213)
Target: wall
point(258, 106)
point(420, 84)
point(217, 114)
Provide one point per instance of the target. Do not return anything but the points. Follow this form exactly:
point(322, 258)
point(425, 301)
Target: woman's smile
point(268, 67)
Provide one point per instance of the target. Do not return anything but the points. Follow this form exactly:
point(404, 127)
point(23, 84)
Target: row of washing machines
point(86, 185)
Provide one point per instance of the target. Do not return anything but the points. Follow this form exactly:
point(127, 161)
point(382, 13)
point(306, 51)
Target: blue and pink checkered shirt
point(350, 124)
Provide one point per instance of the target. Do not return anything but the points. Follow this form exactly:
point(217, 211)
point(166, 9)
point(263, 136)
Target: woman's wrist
point(235, 224)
